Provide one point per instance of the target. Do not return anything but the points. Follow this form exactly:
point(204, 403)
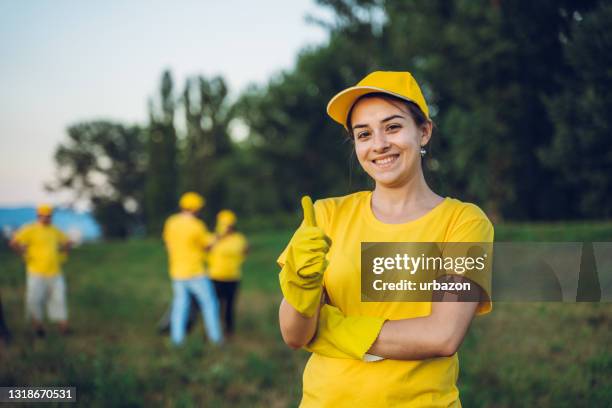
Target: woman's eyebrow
point(359, 126)
point(382, 121)
point(391, 117)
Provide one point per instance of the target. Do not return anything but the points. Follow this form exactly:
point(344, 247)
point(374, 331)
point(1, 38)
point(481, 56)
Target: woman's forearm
point(409, 339)
point(297, 330)
point(438, 335)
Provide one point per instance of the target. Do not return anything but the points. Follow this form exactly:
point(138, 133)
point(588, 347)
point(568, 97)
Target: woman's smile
point(386, 161)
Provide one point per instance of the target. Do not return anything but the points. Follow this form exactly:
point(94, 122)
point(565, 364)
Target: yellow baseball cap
point(226, 217)
point(399, 84)
point(191, 201)
point(45, 210)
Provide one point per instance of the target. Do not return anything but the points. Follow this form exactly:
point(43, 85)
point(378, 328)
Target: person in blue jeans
point(187, 239)
point(206, 297)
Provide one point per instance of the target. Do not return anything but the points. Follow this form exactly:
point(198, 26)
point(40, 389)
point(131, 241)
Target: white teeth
point(386, 160)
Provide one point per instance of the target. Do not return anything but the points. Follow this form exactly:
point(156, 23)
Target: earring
point(423, 151)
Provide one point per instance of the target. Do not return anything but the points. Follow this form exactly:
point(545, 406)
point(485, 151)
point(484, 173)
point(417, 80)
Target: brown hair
point(412, 108)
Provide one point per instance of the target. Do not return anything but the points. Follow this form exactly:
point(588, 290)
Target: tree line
point(518, 91)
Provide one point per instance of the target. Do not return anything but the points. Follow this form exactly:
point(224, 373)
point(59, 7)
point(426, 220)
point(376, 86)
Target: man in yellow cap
point(44, 249)
point(225, 259)
point(187, 239)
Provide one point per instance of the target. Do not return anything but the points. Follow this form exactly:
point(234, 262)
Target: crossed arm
point(437, 335)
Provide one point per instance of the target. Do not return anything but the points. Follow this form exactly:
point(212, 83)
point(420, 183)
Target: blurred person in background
point(225, 260)
point(378, 354)
point(187, 239)
point(44, 248)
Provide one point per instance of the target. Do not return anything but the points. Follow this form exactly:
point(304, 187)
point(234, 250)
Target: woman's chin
point(387, 179)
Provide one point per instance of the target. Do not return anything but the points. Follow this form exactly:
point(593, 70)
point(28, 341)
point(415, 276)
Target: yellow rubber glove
point(301, 278)
point(340, 336)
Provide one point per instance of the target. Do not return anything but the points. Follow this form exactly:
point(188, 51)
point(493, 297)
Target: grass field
point(520, 355)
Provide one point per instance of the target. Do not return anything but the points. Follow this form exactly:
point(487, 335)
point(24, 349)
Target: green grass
point(520, 355)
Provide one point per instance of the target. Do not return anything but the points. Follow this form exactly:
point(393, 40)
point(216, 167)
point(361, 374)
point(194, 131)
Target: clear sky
point(67, 61)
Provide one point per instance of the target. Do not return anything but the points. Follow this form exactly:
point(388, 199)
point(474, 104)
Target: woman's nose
point(381, 143)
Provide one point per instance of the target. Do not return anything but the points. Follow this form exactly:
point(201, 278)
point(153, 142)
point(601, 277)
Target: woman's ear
point(426, 130)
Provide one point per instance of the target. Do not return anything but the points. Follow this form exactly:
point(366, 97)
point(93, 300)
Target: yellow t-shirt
point(330, 382)
point(43, 243)
point(186, 239)
point(226, 257)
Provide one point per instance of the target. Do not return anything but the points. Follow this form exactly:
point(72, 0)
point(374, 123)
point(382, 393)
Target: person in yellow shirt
point(224, 260)
point(378, 354)
point(187, 239)
point(44, 248)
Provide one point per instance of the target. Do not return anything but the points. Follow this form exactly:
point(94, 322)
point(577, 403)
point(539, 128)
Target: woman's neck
point(404, 203)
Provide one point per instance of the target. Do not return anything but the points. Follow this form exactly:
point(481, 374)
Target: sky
point(62, 62)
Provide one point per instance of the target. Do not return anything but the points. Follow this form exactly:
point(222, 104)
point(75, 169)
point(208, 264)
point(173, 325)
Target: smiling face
point(387, 140)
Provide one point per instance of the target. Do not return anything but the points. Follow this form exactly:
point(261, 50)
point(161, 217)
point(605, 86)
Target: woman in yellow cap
point(224, 261)
point(378, 354)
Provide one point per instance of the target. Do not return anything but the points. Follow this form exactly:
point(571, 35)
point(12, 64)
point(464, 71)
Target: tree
point(207, 115)
point(581, 150)
point(161, 190)
point(103, 163)
point(299, 150)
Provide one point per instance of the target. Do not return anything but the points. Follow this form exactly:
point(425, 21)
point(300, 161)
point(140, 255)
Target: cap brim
point(340, 105)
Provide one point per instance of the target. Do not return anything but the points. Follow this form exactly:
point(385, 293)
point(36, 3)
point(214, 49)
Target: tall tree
point(103, 163)
point(581, 148)
point(208, 115)
point(162, 168)
point(299, 149)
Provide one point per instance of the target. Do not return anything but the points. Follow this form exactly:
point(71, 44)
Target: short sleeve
point(61, 236)
point(478, 230)
point(243, 242)
point(165, 231)
point(23, 235)
point(205, 237)
point(322, 217)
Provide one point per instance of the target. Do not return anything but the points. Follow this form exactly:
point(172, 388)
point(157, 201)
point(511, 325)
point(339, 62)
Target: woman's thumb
point(309, 213)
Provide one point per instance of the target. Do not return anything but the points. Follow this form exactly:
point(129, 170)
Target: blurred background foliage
point(519, 93)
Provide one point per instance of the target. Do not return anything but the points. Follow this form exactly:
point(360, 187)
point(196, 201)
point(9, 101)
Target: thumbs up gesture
point(309, 213)
point(302, 275)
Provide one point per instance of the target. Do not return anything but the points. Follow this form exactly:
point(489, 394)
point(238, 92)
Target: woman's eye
point(362, 135)
point(393, 127)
